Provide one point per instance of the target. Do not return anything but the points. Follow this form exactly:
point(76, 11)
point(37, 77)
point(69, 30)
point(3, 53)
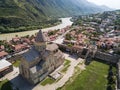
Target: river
point(9, 36)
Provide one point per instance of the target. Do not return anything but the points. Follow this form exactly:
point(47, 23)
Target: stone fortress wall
point(93, 53)
point(87, 52)
point(107, 57)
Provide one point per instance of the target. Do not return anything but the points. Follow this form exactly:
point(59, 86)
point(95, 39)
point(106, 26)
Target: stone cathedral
point(39, 61)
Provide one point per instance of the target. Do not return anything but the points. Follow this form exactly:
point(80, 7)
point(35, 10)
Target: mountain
point(17, 15)
point(105, 8)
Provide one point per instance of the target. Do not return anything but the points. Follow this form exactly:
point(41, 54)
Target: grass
point(48, 80)
point(5, 85)
point(67, 62)
point(16, 63)
point(66, 66)
point(65, 69)
point(58, 79)
point(93, 78)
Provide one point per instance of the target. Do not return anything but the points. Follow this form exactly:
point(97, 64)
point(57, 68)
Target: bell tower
point(40, 42)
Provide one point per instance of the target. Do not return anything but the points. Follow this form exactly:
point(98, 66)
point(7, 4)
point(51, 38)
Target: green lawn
point(93, 78)
point(5, 85)
point(64, 70)
point(16, 63)
point(48, 80)
point(67, 62)
point(66, 66)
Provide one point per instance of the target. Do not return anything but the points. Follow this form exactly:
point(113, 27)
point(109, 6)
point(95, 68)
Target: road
point(60, 39)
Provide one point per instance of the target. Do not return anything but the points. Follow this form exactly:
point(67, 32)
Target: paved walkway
point(12, 74)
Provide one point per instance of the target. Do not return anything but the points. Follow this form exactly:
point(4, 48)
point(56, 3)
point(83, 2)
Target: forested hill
point(18, 15)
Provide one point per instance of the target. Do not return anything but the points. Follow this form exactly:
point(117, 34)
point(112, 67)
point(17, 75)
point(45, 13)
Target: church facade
point(42, 59)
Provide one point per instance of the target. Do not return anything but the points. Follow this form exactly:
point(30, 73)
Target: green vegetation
point(52, 32)
point(93, 78)
point(16, 63)
point(22, 15)
point(111, 78)
point(66, 66)
point(48, 80)
point(67, 62)
point(118, 53)
point(78, 22)
point(65, 69)
point(117, 23)
point(5, 85)
point(6, 46)
point(68, 36)
point(13, 24)
point(69, 45)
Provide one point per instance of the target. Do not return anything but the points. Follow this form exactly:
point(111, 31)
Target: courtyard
point(94, 77)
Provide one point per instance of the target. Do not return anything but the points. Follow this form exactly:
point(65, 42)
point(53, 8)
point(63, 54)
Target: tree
point(68, 37)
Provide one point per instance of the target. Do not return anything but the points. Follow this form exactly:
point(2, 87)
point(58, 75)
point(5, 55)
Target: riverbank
point(30, 28)
point(9, 36)
point(14, 24)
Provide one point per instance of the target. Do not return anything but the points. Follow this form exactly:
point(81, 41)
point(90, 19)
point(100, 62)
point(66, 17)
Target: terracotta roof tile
point(3, 53)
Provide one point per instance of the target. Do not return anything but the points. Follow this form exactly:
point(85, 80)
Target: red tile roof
point(16, 39)
point(19, 46)
point(3, 53)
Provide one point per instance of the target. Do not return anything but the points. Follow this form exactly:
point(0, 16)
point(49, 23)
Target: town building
point(5, 67)
point(3, 54)
point(42, 59)
point(20, 47)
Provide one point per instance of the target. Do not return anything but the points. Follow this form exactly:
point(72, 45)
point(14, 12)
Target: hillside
point(20, 15)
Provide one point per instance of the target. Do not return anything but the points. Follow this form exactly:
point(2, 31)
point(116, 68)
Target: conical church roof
point(40, 37)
